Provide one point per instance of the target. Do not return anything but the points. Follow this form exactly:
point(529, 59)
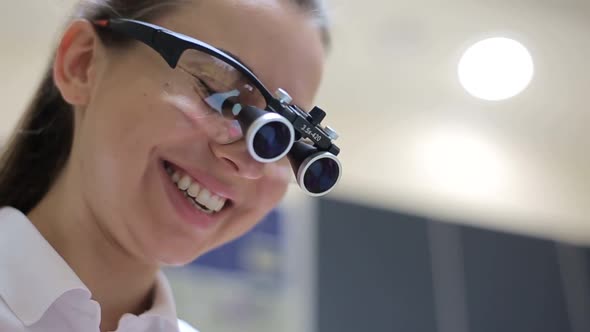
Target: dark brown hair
point(39, 148)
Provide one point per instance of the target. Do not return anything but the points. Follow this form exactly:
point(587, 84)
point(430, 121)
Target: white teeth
point(197, 206)
point(184, 182)
point(220, 204)
point(194, 189)
point(213, 202)
point(175, 177)
point(195, 193)
point(204, 197)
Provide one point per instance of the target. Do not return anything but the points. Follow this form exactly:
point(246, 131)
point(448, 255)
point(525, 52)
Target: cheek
point(268, 191)
point(263, 195)
point(274, 183)
point(115, 155)
point(118, 134)
point(137, 115)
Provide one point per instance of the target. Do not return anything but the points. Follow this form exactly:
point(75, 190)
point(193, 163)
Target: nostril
point(232, 164)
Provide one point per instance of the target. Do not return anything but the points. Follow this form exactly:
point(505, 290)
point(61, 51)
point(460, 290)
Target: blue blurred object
point(228, 258)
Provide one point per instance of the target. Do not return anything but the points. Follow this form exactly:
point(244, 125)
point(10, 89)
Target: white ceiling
point(411, 138)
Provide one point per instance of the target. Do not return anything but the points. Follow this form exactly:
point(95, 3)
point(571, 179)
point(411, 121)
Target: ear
point(74, 68)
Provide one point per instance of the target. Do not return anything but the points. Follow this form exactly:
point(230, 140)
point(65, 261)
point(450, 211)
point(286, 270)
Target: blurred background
point(465, 200)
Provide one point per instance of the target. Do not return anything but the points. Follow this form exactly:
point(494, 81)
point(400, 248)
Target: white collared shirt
point(39, 292)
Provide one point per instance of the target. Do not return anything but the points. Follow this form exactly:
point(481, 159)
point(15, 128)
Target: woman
point(93, 181)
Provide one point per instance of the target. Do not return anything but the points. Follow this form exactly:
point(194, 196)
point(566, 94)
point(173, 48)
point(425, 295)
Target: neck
point(118, 282)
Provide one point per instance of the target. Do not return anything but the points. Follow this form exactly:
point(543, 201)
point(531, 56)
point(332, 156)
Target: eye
point(203, 88)
point(207, 87)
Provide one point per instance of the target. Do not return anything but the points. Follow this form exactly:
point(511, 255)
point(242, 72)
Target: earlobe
point(75, 61)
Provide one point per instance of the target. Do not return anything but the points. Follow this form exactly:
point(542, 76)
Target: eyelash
point(200, 84)
point(207, 88)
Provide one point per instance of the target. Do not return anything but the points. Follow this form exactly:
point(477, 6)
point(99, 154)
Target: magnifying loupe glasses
point(241, 107)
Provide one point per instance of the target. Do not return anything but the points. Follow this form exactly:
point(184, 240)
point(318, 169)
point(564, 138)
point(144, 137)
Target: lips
point(203, 197)
point(187, 207)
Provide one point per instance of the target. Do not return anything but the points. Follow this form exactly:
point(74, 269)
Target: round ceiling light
point(496, 69)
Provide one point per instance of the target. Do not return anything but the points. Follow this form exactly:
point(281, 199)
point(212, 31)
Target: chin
point(177, 258)
point(175, 251)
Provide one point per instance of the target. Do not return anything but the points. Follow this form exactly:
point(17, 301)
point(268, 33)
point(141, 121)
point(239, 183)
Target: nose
point(236, 156)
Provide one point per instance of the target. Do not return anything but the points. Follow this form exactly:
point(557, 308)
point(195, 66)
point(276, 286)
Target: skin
point(107, 214)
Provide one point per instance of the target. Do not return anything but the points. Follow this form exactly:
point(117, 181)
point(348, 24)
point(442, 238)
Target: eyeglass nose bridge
point(222, 103)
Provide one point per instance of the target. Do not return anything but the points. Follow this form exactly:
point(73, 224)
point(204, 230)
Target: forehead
point(275, 39)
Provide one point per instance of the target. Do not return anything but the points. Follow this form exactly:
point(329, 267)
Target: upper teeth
point(197, 191)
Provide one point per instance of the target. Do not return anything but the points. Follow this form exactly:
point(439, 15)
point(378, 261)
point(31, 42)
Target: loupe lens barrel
point(317, 172)
point(269, 136)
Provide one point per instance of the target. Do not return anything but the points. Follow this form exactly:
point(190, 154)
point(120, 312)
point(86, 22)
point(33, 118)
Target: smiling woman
point(121, 165)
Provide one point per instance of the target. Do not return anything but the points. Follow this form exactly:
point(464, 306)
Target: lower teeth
point(195, 204)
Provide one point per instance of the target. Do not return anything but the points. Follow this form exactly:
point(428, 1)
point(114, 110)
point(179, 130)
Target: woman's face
point(135, 123)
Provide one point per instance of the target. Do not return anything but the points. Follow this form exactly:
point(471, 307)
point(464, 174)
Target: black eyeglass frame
point(171, 45)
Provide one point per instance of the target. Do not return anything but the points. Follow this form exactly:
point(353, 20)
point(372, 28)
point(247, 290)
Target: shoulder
point(185, 327)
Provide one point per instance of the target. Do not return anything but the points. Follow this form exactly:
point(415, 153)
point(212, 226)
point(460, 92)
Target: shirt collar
point(34, 275)
point(163, 305)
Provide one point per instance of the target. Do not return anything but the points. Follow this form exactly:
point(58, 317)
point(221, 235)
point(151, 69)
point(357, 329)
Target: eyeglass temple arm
point(170, 45)
point(143, 32)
